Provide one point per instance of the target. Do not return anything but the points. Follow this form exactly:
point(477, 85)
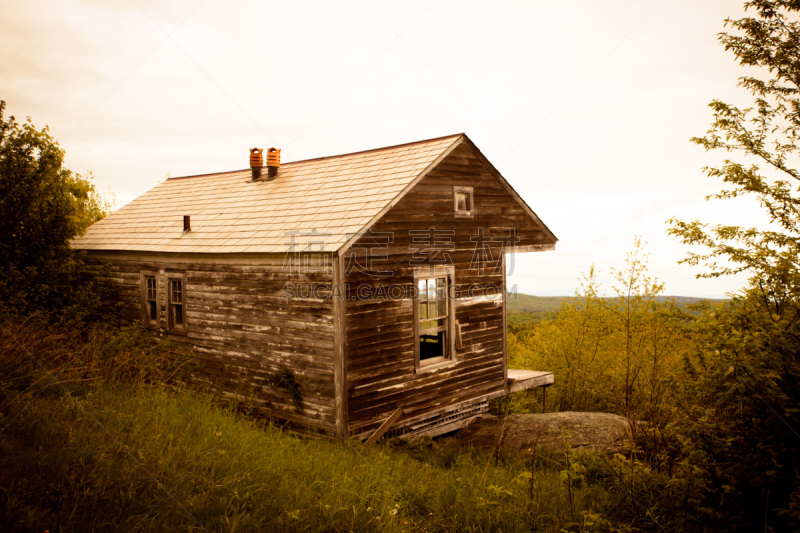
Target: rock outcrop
point(515, 433)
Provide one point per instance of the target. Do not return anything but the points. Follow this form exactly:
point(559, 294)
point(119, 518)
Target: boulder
point(514, 433)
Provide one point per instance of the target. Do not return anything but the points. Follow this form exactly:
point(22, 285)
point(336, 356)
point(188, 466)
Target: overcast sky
point(586, 107)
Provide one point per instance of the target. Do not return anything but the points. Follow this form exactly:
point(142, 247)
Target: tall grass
point(80, 452)
point(35, 355)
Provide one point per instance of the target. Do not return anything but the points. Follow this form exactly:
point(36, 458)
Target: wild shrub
point(36, 356)
point(740, 423)
point(620, 355)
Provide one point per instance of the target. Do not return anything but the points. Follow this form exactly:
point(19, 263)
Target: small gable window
point(463, 202)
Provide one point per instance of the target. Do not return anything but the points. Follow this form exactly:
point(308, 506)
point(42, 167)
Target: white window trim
point(436, 363)
point(470, 213)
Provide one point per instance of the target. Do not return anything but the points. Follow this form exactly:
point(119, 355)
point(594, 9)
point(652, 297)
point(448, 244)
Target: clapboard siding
point(380, 367)
point(242, 328)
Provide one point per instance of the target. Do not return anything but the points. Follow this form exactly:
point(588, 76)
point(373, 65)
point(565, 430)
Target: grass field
point(91, 442)
point(150, 459)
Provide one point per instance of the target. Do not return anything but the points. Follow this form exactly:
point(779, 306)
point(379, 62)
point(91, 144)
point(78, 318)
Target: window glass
point(178, 315)
point(423, 298)
point(176, 303)
point(176, 291)
point(432, 293)
point(463, 201)
point(441, 296)
point(151, 301)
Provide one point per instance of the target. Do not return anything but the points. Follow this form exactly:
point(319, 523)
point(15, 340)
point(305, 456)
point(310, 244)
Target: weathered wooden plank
point(384, 386)
point(394, 417)
point(278, 331)
point(405, 393)
point(431, 399)
point(519, 380)
point(386, 381)
point(265, 312)
point(380, 370)
point(241, 318)
point(243, 329)
point(340, 355)
point(365, 427)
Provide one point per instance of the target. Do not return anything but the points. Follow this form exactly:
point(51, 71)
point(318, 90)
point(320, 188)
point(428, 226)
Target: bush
point(741, 407)
point(620, 355)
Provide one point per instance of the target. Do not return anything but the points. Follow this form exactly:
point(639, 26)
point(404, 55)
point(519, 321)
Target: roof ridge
point(328, 156)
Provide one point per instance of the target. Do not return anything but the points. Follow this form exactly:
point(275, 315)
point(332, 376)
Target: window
point(463, 202)
point(177, 311)
point(150, 299)
point(151, 308)
point(433, 317)
point(159, 289)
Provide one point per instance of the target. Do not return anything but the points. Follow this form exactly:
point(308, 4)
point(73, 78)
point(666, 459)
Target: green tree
point(44, 206)
point(649, 337)
point(741, 434)
point(766, 133)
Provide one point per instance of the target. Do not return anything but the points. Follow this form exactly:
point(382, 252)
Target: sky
point(586, 107)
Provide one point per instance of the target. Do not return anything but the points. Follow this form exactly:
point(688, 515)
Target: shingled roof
point(317, 200)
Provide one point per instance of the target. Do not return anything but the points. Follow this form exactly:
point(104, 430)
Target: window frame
point(433, 272)
point(179, 329)
point(470, 212)
point(146, 320)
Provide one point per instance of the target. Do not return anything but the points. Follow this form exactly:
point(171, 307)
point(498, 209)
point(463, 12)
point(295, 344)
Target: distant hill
point(526, 303)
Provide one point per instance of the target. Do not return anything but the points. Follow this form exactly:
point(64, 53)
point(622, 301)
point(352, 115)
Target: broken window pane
point(432, 345)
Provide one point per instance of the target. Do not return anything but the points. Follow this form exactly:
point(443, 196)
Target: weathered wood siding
point(242, 327)
point(379, 349)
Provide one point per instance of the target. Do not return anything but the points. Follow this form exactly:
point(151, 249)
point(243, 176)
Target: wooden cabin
point(345, 294)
